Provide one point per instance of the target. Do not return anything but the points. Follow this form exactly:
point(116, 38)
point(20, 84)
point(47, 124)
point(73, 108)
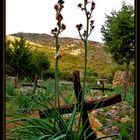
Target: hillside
point(45, 39)
point(72, 51)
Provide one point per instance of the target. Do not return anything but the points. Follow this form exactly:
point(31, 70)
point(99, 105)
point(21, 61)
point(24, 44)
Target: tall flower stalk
point(86, 33)
point(56, 32)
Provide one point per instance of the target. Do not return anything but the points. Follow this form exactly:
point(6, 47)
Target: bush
point(24, 62)
point(18, 57)
point(49, 73)
point(40, 63)
point(65, 76)
point(95, 74)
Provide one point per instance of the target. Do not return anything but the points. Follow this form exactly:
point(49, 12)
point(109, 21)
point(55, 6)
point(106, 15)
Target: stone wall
point(118, 79)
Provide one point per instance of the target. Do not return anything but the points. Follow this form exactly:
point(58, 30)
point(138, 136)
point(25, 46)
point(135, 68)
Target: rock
point(108, 114)
point(100, 134)
point(112, 130)
point(114, 112)
point(94, 113)
point(118, 78)
point(73, 45)
point(102, 110)
point(118, 119)
point(108, 122)
point(114, 107)
point(100, 97)
point(89, 98)
point(125, 119)
point(95, 123)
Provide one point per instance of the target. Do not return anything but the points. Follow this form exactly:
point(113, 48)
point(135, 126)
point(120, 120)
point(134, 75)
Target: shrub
point(65, 76)
point(40, 63)
point(49, 73)
point(95, 74)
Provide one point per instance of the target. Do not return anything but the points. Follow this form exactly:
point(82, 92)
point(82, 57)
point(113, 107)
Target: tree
point(18, 58)
point(40, 63)
point(118, 34)
point(9, 54)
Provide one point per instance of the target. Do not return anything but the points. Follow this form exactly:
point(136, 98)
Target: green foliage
point(118, 34)
point(40, 63)
point(126, 130)
point(9, 55)
point(62, 127)
point(10, 91)
point(65, 76)
point(130, 96)
point(18, 57)
point(21, 60)
point(49, 73)
point(24, 103)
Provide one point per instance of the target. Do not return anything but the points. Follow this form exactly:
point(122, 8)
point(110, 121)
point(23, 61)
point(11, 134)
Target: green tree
point(9, 68)
point(40, 63)
point(118, 34)
point(18, 58)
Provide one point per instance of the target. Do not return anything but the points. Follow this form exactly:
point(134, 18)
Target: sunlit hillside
point(99, 61)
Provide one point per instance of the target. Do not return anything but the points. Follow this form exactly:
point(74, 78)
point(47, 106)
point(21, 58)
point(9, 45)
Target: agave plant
point(56, 32)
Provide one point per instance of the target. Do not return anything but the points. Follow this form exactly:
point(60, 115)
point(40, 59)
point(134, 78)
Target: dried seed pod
point(79, 5)
point(60, 1)
point(92, 27)
point(56, 6)
point(91, 22)
point(63, 26)
point(59, 17)
point(79, 27)
point(92, 6)
point(84, 34)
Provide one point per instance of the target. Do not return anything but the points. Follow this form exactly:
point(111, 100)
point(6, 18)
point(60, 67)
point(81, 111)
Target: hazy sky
point(38, 16)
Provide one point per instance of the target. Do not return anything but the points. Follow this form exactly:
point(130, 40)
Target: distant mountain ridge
point(45, 39)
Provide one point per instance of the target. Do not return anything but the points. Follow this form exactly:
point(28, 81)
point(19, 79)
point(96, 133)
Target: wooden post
point(103, 86)
point(87, 106)
point(35, 83)
point(85, 120)
point(90, 105)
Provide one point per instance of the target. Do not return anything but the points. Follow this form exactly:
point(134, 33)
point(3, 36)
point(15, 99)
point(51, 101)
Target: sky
point(38, 16)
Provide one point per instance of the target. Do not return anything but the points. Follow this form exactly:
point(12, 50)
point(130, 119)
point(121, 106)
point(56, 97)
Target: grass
point(31, 128)
point(32, 125)
point(56, 126)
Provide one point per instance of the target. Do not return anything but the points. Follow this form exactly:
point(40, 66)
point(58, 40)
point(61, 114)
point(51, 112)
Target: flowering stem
point(84, 38)
point(56, 71)
point(86, 51)
point(85, 59)
point(56, 31)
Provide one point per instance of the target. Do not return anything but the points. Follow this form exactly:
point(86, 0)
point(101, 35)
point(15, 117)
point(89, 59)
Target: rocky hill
point(99, 61)
point(45, 39)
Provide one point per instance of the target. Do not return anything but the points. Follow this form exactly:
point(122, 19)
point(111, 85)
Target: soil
point(9, 126)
